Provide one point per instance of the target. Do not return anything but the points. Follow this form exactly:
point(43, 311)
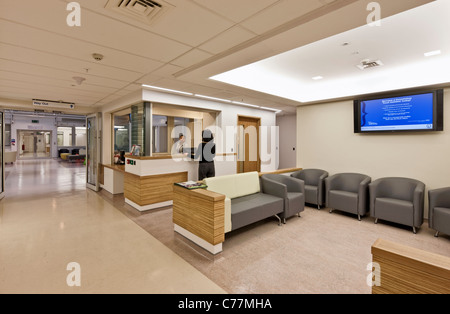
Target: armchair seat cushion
point(395, 210)
point(442, 219)
point(343, 200)
point(255, 207)
point(311, 194)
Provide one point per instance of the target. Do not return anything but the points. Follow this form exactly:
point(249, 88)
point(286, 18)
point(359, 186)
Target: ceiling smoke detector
point(97, 56)
point(367, 64)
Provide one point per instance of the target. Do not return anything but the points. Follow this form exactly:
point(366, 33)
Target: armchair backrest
point(397, 188)
point(310, 176)
point(347, 181)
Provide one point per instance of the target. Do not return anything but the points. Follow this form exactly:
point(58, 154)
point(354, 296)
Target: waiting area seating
point(348, 192)
point(291, 190)
point(314, 185)
point(439, 215)
point(398, 200)
point(247, 201)
point(72, 155)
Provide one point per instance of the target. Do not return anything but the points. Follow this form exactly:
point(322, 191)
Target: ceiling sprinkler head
point(79, 79)
point(97, 56)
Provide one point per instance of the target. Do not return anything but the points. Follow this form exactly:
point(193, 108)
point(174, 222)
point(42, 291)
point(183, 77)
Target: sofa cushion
point(252, 208)
point(394, 210)
point(234, 186)
point(343, 200)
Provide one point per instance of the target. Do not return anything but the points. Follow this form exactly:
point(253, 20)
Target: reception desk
point(148, 181)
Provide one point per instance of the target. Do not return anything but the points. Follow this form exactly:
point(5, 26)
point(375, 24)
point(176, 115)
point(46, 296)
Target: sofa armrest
point(321, 188)
point(373, 192)
point(273, 188)
point(419, 204)
point(363, 195)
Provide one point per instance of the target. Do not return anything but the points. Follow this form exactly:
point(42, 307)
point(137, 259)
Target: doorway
point(248, 144)
point(34, 144)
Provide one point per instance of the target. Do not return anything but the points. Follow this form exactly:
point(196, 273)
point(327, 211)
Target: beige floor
point(318, 253)
point(48, 219)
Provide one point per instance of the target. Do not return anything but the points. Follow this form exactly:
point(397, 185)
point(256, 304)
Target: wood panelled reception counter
point(148, 182)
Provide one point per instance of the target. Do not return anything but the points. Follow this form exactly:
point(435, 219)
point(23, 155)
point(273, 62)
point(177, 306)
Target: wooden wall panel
point(200, 212)
point(151, 189)
point(406, 270)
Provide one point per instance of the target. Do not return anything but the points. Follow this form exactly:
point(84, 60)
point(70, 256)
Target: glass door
point(2, 161)
point(93, 129)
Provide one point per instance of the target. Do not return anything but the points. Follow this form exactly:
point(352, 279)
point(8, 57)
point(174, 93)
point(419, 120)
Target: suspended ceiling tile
point(190, 24)
point(236, 10)
point(46, 72)
point(228, 39)
point(96, 28)
point(30, 56)
point(190, 58)
point(28, 37)
point(279, 14)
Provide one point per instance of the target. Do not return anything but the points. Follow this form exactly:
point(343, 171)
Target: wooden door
point(248, 144)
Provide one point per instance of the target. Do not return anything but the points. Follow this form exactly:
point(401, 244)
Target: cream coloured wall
point(325, 139)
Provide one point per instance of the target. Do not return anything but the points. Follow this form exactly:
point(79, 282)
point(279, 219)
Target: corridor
point(48, 219)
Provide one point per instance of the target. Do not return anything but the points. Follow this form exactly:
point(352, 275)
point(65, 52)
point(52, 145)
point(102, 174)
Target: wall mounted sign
point(53, 104)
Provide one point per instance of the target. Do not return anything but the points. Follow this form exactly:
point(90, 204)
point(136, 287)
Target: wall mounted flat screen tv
point(418, 112)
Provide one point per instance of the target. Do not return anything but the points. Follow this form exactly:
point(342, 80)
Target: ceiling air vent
point(144, 10)
point(368, 64)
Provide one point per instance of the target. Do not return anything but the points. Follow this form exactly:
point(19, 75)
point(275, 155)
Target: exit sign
point(34, 121)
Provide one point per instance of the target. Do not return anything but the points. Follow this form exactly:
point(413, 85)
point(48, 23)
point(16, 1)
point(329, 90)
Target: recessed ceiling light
point(432, 53)
point(317, 78)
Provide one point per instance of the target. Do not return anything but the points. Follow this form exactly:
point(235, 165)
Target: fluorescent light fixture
point(119, 127)
point(270, 109)
point(168, 90)
point(317, 78)
point(432, 53)
point(244, 104)
point(212, 98)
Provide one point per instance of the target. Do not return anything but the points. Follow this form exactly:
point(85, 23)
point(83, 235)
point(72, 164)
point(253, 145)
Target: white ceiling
point(400, 43)
point(194, 40)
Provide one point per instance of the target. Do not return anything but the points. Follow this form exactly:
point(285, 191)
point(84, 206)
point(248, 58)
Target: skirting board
point(148, 207)
point(213, 249)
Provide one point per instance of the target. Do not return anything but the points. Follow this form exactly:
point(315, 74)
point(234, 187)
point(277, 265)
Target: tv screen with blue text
point(414, 112)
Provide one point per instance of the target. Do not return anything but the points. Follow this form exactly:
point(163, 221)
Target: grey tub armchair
point(439, 216)
point(314, 185)
point(291, 190)
point(398, 200)
point(348, 192)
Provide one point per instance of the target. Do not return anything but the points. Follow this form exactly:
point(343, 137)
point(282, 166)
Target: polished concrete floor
point(48, 220)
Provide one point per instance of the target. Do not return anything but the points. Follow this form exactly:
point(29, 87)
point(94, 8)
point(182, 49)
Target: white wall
point(227, 118)
point(325, 139)
point(288, 141)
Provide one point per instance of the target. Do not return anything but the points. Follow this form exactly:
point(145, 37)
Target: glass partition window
point(122, 134)
point(65, 136)
point(160, 134)
point(80, 136)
